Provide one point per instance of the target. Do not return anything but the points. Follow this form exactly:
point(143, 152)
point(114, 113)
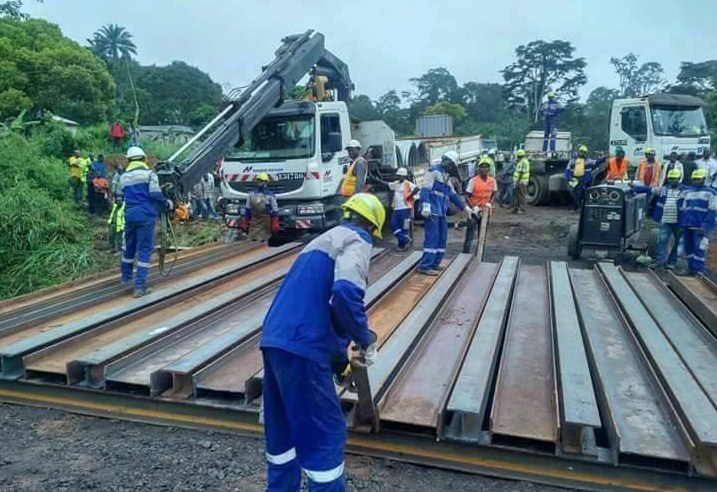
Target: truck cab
point(665, 122)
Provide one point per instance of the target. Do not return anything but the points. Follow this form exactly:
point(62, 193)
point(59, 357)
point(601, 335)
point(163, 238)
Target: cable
point(167, 233)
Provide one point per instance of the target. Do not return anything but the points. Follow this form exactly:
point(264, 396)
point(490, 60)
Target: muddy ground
point(49, 450)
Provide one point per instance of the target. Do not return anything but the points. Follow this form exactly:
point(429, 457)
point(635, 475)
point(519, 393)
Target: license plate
point(289, 176)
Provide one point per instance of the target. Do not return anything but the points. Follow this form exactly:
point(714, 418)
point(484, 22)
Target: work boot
point(126, 281)
point(685, 273)
point(430, 273)
point(141, 292)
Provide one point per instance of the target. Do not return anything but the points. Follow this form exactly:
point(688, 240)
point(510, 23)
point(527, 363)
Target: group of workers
point(88, 177)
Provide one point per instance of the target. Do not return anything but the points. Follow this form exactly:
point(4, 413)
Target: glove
point(244, 224)
point(170, 204)
point(369, 353)
point(275, 224)
point(426, 210)
point(469, 213)
point(477, 211)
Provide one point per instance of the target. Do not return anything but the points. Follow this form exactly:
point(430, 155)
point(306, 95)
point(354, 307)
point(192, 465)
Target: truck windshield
point(678, 121)
point(278, 139)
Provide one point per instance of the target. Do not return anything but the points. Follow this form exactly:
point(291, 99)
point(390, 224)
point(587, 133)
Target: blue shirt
point(99, 168)
point(139, 186)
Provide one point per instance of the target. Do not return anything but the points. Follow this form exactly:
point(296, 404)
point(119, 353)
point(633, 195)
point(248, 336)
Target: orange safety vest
point(616, 170)
point(482, 191)
point(348, 187)
point(407, 197)
point(656, 170)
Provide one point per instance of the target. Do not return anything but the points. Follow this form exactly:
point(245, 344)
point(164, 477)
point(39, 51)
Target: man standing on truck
point(261, 214)
point(697, 209)
point(355, 177)
point(436, 192)
point(649, 170)
point(141, 195)
point(403, 199)
point(318, 310)
point(579, 174)
point(479, 194)
point(521, 176)
point(550, 110)
point(617, 166)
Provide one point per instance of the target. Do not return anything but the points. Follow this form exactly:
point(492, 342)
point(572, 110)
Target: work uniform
point(579, 177)
point(438, 193)
point(650, 173)
point(666, 214)
point(697, 209)
point(317, 311)
point(550, 111)
point(507, 186)
point(139, 187)
point(261, 214)
point(208, 196)
point(115, 224)
point(617, 169)
point(521, 176)
point(710, 167)
point(75, 164)
point(669, 166)
point(402, 208)
point(478, 194)
point(355, 178)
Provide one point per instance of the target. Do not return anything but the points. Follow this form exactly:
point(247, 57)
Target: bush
point(24, 162)
point(53, 140)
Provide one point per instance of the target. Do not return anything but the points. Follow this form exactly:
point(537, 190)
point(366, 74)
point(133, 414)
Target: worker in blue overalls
point(436, 191)
point(550, 110)
point(697, 211)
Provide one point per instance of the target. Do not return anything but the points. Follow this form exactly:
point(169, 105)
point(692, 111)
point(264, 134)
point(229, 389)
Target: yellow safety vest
point(348, 187)
point(522, 171)
point(75, 167)
point(117, 215)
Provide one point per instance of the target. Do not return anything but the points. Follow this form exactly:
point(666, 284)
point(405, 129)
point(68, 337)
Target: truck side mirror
point(332, 143)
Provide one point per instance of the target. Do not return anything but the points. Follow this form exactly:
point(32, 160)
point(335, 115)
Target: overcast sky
point(386, 42)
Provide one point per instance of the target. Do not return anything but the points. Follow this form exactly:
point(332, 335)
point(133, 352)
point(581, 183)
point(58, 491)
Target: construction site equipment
point(601, 379)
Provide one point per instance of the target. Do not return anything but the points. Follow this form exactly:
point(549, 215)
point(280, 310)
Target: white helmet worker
point(402, 171)
point(452, 156)
point(135, 154)
point(353, 144)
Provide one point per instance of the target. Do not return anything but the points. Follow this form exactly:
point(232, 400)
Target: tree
point(41, 70)
point(483, 102)
point(438, 84)
point(701, 76)
point(11, 9)
point(638, 80)
point(542, 66)
point(361, 108)
point(456, 111)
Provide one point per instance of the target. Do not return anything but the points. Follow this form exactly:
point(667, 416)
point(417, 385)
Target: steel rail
point(417, 396)
point(16, 345)
point(490, 461)
point(579, 411)
point(696, 346)
point(695, 409)
point(524, 409)
point(237, 374)
point(469, 399)
point(640, 427)
point(700, 295)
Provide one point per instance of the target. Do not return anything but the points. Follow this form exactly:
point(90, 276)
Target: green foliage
point(40, 69)
point(542, 66)
point(638, 80)
point(456, 111)
point(24, 162)
point(111, 42)
point(53, 140)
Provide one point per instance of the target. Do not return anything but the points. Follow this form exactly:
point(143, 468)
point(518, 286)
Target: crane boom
point(298, 55)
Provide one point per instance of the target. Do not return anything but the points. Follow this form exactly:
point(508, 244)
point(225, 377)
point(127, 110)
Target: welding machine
point(611, 221)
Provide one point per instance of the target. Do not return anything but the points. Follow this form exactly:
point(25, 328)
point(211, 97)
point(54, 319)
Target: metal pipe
point(200, 133)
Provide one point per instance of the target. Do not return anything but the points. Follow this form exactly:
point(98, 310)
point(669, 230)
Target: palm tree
point(113, 43)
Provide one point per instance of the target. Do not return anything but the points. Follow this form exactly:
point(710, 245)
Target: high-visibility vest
point(482, 191)
point(84, 168)
point(117, 216)
point(75, 167)
point(616, 170)
point(522, 171)
point(642, 169)
point(407, 197)
point(348, 187)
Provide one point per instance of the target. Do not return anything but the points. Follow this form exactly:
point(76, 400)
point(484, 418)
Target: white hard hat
point(402, 171)
point(491, 152)
point(135, 153)
point(452, 156)
point(353, 144)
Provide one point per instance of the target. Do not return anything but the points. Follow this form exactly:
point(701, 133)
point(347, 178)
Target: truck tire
point(538, 192)
point(573, 249)
point(653, 237)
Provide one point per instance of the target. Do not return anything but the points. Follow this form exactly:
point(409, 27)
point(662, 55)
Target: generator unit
point(611, 219)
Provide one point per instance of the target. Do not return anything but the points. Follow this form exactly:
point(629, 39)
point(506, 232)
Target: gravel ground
point(49, 450)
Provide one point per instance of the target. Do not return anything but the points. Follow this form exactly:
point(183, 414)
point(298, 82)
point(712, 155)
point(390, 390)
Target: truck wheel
point(573, 250)
point(653, 237)
point(538, 191)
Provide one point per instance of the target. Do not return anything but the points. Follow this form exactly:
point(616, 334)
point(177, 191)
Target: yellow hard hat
point(262, 177)
point(649, 150)
point(520, 153)
point(369, 207)
point(699, 174)
point(484, 161)
point(583, 148)
point(674, 173)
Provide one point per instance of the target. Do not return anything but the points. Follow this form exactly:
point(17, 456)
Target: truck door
point(633, 132)
point(332, 160)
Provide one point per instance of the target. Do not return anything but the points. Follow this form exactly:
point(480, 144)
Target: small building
point(169, 134)
point(70, 126)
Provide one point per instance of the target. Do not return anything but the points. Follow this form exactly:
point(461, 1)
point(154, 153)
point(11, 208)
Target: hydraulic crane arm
point(298, 55)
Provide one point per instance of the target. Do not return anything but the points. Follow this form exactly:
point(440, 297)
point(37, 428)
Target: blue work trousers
point(550, 134)
point(210, 208)
point(668, 231)
point(304, 425)
point(138, 245)
point(507, 193)
point(696, 244)
point(434, 242)
point(401, 226)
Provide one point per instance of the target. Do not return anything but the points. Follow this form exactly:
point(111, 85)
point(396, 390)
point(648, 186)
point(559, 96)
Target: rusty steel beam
point(641, 428)
point(417, 396)
point(579, 411)
point(695, 409)
point(469, 399)
point(696, 346)
point(700, 295)
point(524, 409)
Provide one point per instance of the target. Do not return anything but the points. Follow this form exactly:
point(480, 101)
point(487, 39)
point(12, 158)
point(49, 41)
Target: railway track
point(601, 379)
